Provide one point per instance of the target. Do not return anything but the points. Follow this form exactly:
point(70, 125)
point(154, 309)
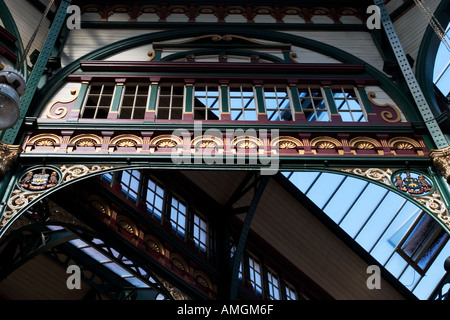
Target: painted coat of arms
point(413, 183)
point(39, 179)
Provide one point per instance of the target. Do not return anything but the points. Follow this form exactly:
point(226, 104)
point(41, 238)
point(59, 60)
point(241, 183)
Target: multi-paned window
point(289, 292)
point(278, 106)
point(422, 243)
point(200, 233)
point(313, 104)
point(242, 103)
point(233, 251)
point(134, 101)
point(98, 101)
point(263, 279)
point(154, 199)
point(347, 104)
point(140, 188)
point(273, 286)
point(170, 102)
point(206, 102)
point(129, 184)
point(255, 274)
point(242, 100)
point(178, 217)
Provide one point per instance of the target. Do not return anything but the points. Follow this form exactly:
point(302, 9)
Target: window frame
point(323, 101)
point(356, 98)
point(217, 105)
point(242, 107)
point(432, 235)
point(276, 97)
point(155, 194)
point(171, 96)
point(128, 185)
point(135, 96)
point(100, 95)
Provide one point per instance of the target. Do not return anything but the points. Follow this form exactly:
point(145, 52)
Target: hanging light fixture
point(12, 86)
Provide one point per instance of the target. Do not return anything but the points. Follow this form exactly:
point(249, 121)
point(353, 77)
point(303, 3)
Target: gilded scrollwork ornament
point(8, 155)
point(35, 183)
point(416, 185)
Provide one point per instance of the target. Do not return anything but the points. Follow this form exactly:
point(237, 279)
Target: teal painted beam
point(9, 136)
point(419, 99)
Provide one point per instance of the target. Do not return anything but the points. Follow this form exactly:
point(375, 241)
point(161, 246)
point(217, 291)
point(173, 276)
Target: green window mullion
point(117, 97)
point(153, 97)
point(225, 108)
point(189, 98)
point(365, 100)
point(330, 100)
point(295, 99)
point(259, 97)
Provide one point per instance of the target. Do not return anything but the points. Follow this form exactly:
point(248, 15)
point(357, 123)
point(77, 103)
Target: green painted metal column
point(240, 248)
point(427, 114)
point(10, 136)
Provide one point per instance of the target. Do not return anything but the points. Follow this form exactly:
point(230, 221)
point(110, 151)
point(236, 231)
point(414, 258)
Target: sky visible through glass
point(376, 218)
point(441, 75)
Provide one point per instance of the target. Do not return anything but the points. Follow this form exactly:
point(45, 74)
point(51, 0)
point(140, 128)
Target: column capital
point(441, 160)
point(8, 155)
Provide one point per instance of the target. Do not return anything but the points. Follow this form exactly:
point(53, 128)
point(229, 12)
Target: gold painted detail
point(364, 145)
point(359, 145)
point(61, 111)
point(8, 155)
point(45, 142)
point(127, 225)
point(177, 263)
point(126, 143)
point(441, 160)
point(86, 142)
point(325, 145)
point(207, 144)
point(433, 202)
point(174, 292)
point(403, 146)
point(20, 199)
point(246, 144)
point(166, 143)
point(388, 116)
point(286, 145)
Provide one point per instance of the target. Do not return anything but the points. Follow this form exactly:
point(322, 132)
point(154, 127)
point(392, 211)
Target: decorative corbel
point(8, 155)
point(441, 160)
